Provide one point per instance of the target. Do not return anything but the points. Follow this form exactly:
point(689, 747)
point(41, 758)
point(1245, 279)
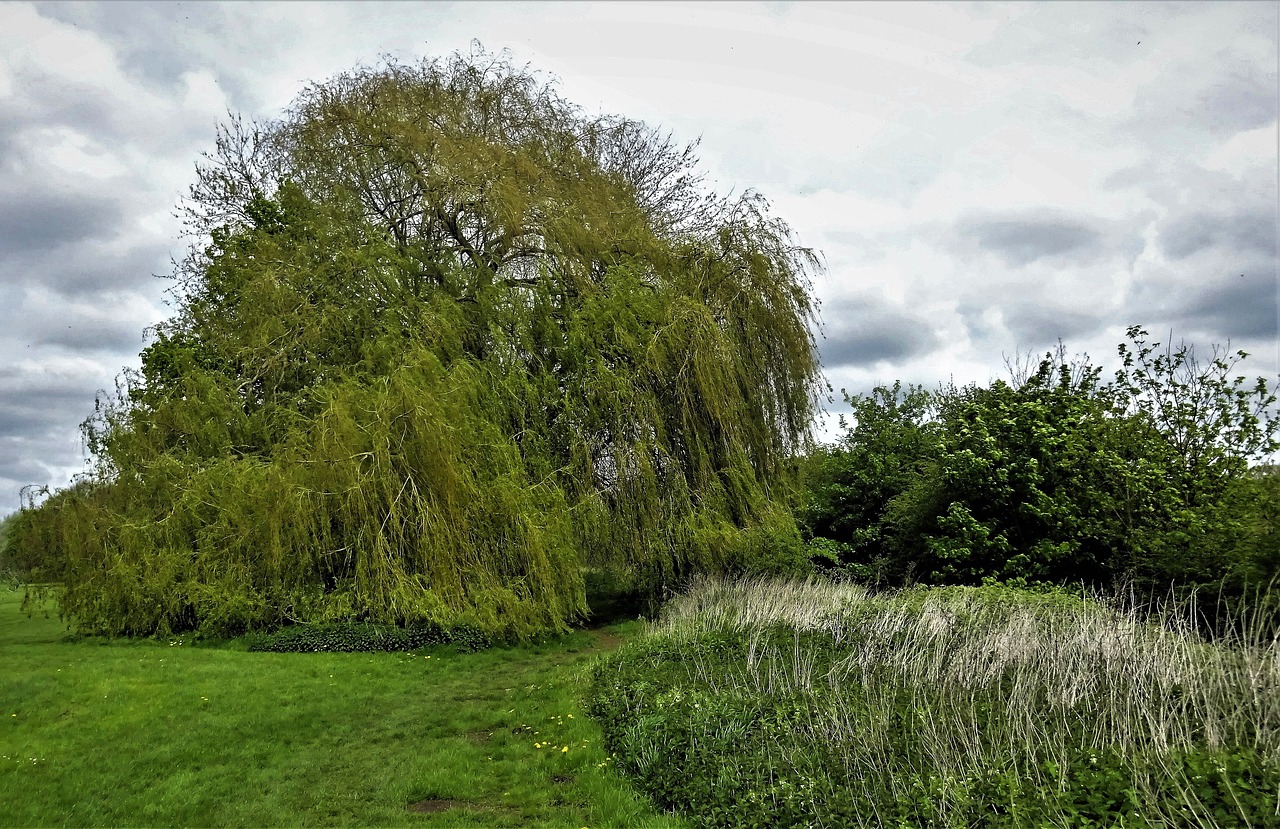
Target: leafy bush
point(349, 638)
point(850, 485)
point(769, 703)
point(1041, 482)
point(1059, 478)
point(8, 567)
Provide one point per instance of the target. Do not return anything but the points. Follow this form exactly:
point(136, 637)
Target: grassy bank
point(785, 704)
point(148, 733)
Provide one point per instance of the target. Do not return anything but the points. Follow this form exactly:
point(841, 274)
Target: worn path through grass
point(152, 733)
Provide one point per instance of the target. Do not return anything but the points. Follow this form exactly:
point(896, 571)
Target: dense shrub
point(888, 440)
point(1043, 482)
point(1058, 477)
point(30, 541)
point(349, 638)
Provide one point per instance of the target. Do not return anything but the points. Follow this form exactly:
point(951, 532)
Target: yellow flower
point(563, 750)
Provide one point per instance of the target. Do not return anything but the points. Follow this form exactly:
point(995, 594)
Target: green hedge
point(350, 638)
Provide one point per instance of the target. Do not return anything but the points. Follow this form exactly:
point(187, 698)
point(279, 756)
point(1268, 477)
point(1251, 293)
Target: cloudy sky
point(983, 179)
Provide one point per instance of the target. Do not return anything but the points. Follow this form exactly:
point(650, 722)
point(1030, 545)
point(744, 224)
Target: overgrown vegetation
point(444, 342)
point(1060, 478)
point(772, 704)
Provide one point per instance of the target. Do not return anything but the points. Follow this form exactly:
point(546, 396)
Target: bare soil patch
point(433, 805)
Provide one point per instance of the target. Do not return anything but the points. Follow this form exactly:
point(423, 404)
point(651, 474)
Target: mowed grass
point(164, 733)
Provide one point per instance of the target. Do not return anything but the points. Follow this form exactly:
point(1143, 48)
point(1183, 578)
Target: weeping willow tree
point(447, 341)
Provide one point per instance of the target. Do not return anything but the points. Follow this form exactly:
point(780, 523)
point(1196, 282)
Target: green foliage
point(1255, 497)
point(351, 638)
point(1057, 478)
point(851, 484)
point(32, 544)
point(1039, 483)
point(942, 707)
point(445, 342)
point(8, 567)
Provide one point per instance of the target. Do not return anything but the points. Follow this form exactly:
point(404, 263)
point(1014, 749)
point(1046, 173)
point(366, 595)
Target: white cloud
point(78, 154)
point(1247, 152)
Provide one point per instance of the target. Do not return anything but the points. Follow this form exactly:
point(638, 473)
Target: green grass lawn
point(161, 733)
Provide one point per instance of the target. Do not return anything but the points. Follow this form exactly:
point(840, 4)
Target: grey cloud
point(1134, 176)
point(909, 156)
point(1224, 303)
point(1059, 33)
point(40, 221)
point(117, 335)
point(1219, 89)
point(1252, 232)
point(154, 40)
point(973, 315)
point(1239, 96)
point(44, 409)
point(32, 398)
point(1242, 306)
point(42, 100)
point(1021, 242)
point(115, 116)
point(42, 403)
point(17, 469)
point(859, 247)
point(85, 270)
point(1038, 325)
point(157, 43)
point(103, 326)
point(48, 458)
point(866, 331)
point(1020, 239)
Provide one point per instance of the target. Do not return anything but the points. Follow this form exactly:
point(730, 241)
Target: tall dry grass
point(997, 678)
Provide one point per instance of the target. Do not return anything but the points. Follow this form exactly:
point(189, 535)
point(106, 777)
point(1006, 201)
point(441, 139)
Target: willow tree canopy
point(448, 342)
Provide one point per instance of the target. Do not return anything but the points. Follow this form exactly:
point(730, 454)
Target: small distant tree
point(445, 342)
point(1210, 427)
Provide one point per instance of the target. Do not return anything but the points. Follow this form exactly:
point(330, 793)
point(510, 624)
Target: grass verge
point(164, 733)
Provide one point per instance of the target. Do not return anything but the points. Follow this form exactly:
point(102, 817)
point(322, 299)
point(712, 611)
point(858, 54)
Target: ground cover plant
point(159, 732)
point(769, 704)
